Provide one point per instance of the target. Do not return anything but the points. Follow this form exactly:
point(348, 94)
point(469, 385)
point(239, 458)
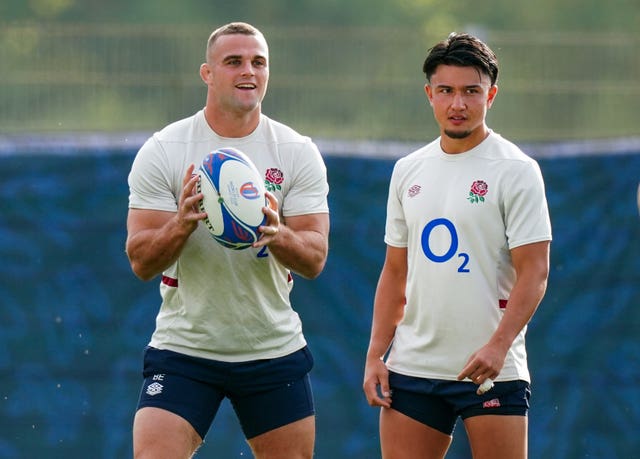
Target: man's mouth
point(246, 86)
point(457, 119)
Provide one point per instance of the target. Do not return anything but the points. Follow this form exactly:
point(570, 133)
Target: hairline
point(233, 28)
point(478, 55)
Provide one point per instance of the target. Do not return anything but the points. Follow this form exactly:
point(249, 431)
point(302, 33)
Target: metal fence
point(340, 83)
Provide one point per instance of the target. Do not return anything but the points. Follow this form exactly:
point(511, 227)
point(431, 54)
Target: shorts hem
point(515, 411)
point(171, 410)
point(257, 433)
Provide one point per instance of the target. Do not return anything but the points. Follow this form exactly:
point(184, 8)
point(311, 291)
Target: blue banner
point(74, 320)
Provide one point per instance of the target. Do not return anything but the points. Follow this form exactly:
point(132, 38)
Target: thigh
point(291, 441)
point(159, 434)
point(175, 383)
point(264, 411)
point(497, 427)
point(422, 400)
point(272, 393)
point(497, 436)
point(402, 437)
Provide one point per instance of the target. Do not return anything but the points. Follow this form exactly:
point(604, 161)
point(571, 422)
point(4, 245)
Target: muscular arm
point(156, 238)
point(388, 310)
point(531, 262)
point(301, 243)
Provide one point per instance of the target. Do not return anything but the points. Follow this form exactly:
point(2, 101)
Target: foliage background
point(74, 319)
point(339, 69)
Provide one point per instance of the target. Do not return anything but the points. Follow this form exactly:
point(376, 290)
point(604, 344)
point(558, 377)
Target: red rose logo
point(479, 189)
point(273, 178)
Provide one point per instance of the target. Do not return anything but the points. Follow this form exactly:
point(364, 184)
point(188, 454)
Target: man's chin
point(457, 134)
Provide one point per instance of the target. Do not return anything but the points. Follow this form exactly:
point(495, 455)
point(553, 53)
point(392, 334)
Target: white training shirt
point(458, 241)
point(218, 303)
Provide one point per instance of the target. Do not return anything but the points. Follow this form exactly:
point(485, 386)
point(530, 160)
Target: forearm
point(380, 342)
point(301, 251)
point(386, 316)
point(388, 311)
point(531, 263)
point(151, 251)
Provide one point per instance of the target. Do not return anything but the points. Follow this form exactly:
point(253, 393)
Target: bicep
point(393, 277)
point(396, 260)
point(390, 296)
point(532, 260)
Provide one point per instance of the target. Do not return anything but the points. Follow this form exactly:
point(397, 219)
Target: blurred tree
point(112, 64)
point(433, 15)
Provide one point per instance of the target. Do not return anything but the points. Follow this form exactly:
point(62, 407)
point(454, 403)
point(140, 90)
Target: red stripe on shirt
point(170, 281)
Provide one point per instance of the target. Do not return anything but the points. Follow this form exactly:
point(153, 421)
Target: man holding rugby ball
point(226, 328)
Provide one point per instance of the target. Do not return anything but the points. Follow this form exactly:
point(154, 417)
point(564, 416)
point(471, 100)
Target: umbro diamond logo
point(414, 190)
point(154, 388)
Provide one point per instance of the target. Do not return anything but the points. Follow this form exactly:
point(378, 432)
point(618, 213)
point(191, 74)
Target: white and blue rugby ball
point(233, 198)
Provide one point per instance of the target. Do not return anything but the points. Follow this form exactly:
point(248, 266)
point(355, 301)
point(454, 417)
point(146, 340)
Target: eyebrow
point(469, 86)
point(240, 56)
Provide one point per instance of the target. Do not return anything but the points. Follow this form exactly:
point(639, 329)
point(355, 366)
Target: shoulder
point(503, 159)
point(180, 131)
point(165, 150)
point(497, 147)
point(423, 153)
point(280, 133)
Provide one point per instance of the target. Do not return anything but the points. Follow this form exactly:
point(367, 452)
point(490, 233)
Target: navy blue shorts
point(265, 394)
point(438, 403)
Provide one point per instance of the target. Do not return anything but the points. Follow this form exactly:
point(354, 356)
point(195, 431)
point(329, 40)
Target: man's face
point(460, 97)
point(237, 72)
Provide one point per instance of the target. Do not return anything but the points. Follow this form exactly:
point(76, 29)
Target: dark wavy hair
point(463, 50)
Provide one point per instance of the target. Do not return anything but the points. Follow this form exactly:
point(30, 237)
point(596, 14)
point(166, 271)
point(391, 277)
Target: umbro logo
point(154, 388)
point(414, 190)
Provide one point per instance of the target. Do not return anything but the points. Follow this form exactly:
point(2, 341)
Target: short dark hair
point(233, 28)
point(463, 50)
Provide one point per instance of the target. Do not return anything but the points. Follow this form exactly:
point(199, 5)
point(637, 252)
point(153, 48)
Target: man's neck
point(454, 145)
point(227, 124)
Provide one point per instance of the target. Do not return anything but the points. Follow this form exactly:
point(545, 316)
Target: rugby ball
point(233, 198)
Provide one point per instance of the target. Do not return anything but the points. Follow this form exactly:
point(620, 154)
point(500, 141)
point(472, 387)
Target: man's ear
point(493, 90)
point(205, 72)
point(429, 92)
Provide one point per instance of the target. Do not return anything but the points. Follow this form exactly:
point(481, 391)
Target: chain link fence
point(348, 83)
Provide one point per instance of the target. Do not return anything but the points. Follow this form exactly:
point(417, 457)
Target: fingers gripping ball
point(234, 195)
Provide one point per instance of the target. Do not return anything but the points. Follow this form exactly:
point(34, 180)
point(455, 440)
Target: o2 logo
point(453, 248)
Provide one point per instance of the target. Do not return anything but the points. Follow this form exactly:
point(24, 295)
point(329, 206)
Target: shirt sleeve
point(149, 180)
point(310, 188)
point(396, 230)
point(526, 211)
